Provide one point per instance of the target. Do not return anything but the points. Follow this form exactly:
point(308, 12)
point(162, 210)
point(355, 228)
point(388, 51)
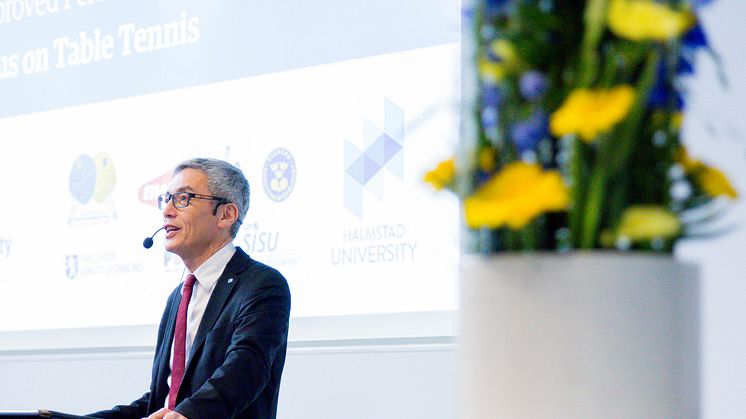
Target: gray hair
point(224, 180)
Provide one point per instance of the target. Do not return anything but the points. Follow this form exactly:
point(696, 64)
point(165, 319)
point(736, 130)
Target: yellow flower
point(505, 50)
point(711, 180)
point(589, 112)
point(443, 175)
point(714, 183)
point(639, 20)
point(689, 164)
point(491, 72)
point(647, 222)
point(515, 196)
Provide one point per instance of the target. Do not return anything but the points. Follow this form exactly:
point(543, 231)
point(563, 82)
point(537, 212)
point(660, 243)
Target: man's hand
point(166, 414)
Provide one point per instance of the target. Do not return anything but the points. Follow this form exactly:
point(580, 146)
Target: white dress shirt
point(207, 276)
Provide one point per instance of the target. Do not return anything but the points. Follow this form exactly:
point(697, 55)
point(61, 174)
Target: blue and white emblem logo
point(279, 174)
point(71, 266)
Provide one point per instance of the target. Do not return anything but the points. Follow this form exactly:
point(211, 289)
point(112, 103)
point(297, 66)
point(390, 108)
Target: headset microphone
point(148, 242)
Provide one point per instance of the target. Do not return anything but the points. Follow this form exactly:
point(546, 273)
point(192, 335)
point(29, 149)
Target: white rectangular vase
point(579, 335)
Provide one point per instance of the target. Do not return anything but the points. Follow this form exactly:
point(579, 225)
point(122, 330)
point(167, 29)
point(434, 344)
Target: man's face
point(191, 232)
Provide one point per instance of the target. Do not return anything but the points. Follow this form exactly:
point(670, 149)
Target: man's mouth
point(171, 230)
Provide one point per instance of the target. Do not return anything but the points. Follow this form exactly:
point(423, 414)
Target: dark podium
point(34, 414)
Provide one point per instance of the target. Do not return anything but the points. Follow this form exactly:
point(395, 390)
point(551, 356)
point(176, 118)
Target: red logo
point(149, 192)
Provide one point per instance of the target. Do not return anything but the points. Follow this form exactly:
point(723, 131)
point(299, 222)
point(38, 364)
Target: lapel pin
point(230, 280)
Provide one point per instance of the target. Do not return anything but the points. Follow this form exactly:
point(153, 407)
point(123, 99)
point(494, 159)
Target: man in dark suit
point(223, 336)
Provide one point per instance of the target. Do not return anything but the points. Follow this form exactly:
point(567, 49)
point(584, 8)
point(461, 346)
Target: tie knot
point(189, 281)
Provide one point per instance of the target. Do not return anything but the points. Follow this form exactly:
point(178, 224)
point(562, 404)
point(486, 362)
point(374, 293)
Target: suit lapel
point(168, 337)
point(220, 294)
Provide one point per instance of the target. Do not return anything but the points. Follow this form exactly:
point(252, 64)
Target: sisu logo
point(279, 174)
point(148, 193)
point(383, 149)
point(256, 241)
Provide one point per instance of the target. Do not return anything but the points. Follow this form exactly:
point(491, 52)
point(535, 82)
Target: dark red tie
point(179, 360)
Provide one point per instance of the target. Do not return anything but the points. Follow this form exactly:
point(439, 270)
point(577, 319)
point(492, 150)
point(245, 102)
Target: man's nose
point(169, 211)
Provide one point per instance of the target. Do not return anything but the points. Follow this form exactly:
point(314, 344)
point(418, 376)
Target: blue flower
point(695, 37)
point(693, 40)
point(491, 95)
point(662, 92)
point(497, 8)
point(533, 84)
point(527, 134)
point(685, 65)
point(489, 117)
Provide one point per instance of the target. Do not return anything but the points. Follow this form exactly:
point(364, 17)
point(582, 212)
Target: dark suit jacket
point(236, 360)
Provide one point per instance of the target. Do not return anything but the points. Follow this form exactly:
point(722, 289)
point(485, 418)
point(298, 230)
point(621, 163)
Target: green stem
point(613, 152)
point(577, 190)
point(595, 23)
point(618, 199)
point(626, 134)
point(530, 233)
point(593, 207)
point(513, 240)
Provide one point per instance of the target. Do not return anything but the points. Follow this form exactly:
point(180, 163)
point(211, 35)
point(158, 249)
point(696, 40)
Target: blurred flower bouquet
point(571, 137)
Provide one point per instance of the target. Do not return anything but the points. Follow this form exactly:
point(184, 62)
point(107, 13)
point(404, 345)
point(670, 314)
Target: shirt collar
point(208, 273)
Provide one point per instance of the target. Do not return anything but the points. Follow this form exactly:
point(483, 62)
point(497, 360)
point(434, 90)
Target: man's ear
point(228, 214)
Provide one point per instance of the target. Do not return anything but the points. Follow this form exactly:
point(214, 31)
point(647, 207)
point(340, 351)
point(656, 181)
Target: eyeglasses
point(181, 200)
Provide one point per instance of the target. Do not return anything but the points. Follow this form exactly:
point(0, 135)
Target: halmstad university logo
point(279, 174)
point(383, 152)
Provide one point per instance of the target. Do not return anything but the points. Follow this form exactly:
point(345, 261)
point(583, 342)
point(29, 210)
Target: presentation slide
point(333, 110)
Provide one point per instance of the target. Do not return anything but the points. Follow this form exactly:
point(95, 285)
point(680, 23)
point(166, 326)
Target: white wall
point(377, 366)
point(394, 378)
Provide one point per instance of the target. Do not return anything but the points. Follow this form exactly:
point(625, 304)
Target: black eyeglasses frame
point(163, 200)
